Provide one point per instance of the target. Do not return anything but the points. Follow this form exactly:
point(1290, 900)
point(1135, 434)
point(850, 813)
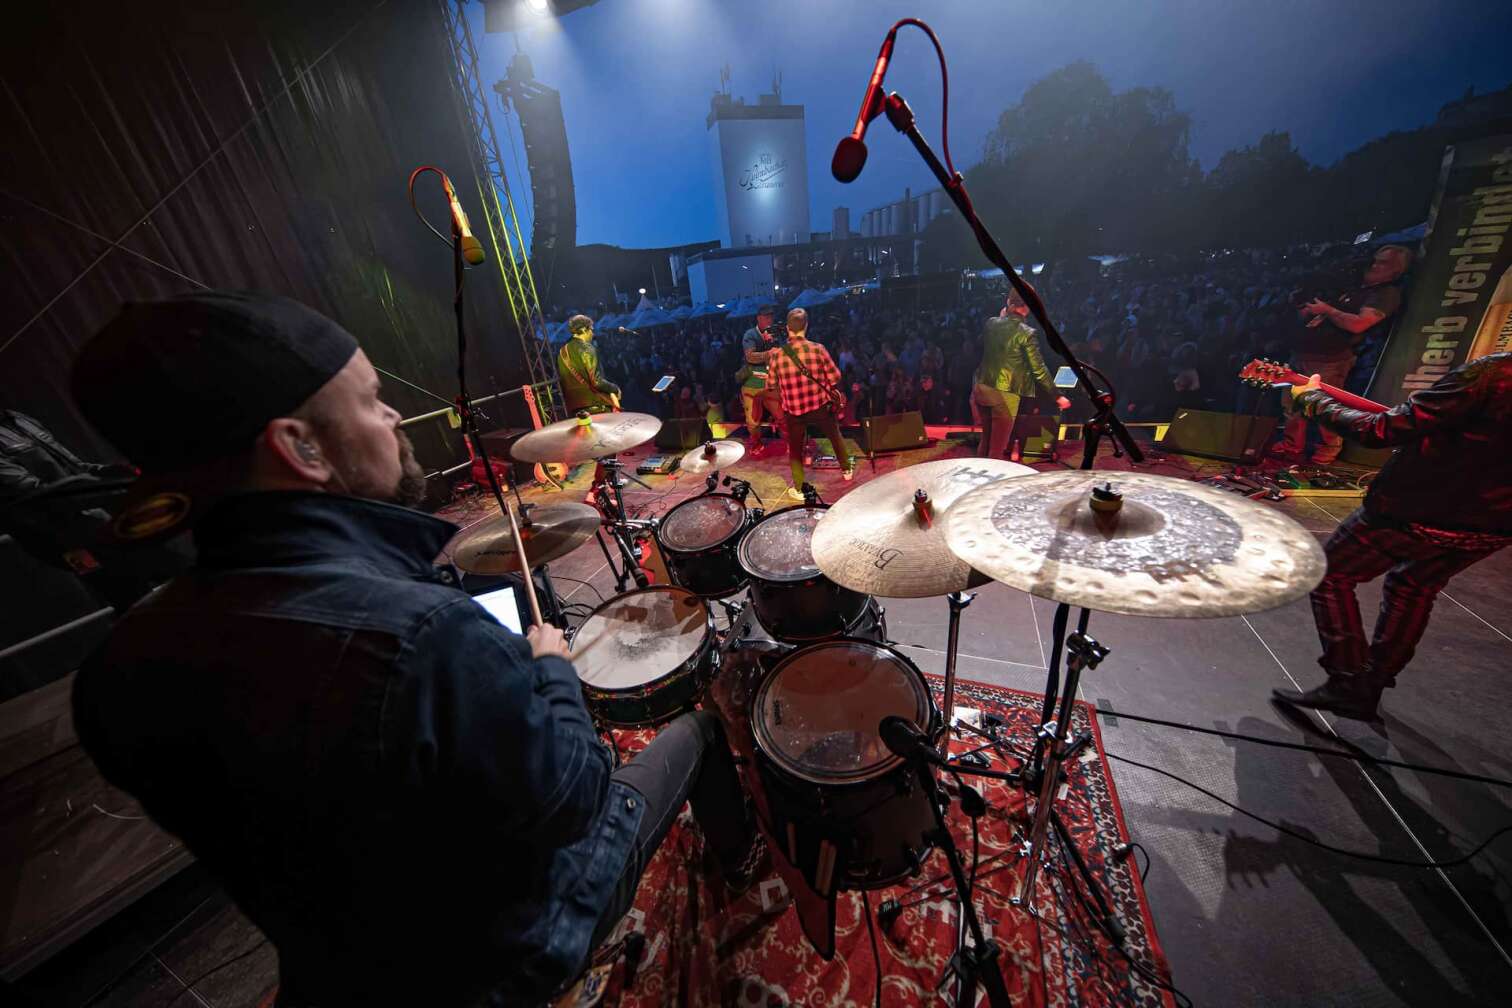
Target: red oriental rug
point(704, 947)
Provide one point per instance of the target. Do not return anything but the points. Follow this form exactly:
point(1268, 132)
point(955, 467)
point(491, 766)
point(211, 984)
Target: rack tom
point(699, 540)
point(794, 601)
point(645, 656)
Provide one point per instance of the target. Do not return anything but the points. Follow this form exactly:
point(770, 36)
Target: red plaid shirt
point(799, 393)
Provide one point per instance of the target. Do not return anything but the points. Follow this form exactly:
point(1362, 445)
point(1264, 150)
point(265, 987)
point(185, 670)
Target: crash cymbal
point(873, 540)
point(554, 530)
point(574, 440)
point(1169, 547)
point(711, 456)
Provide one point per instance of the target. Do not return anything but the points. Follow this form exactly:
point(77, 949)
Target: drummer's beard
point(410, 490)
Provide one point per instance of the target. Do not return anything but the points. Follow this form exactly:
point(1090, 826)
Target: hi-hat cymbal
point(574, 440)
point(1171, 548)
point(554, 531)
point(711, 456)
point(873, 540)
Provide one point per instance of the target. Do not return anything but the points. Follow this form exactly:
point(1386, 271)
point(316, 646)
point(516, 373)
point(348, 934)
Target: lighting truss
point(499, 210)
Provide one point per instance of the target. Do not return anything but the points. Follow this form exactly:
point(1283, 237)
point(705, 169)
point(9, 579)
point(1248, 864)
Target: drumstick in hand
point(530, 595)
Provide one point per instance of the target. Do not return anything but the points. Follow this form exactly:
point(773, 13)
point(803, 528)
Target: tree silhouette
point(1074, 168)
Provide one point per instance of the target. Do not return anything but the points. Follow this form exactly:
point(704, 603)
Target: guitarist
point(584, 386)
point(1331, 339)
point(1012, 369)
point(1442, 501)
point(806, 380)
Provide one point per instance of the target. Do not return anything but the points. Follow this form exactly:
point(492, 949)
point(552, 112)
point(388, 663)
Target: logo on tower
point(764, 173)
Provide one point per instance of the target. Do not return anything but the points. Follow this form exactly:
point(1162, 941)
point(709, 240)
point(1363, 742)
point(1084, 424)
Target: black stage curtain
point(155, 146)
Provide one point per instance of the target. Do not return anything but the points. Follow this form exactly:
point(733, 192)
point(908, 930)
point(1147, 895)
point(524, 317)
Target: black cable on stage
point(1358, 757)
point(586, 584)
point(871, 931)
point(189, 985)
point(1361, 855)
point(1145, 970)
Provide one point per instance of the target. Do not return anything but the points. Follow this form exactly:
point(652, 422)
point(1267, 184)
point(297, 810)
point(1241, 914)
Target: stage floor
point(1245, 914)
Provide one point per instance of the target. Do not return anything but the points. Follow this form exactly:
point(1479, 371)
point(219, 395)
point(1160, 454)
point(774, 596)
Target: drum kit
point(843, 805)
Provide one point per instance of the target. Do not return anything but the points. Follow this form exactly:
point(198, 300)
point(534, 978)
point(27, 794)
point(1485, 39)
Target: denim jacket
point(410, 806)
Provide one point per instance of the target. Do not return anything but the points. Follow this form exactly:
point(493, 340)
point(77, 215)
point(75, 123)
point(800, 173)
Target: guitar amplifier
point(1232, 437)
point(498, 443)
point(893, 432)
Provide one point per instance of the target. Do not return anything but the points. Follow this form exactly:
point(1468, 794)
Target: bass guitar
point(1265, 372)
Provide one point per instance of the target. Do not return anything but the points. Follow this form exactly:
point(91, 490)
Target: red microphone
point(850, 152)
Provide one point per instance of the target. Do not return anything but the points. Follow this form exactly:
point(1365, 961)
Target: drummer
point(408, 799)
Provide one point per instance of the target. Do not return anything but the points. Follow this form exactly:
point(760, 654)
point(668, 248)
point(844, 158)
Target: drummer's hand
point(547, 640)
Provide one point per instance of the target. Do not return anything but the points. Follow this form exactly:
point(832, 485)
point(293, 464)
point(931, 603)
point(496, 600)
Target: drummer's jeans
point(688, 760)
point(1362, 549)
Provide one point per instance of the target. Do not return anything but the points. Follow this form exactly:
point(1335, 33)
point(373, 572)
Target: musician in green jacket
point(1012, 368)
point(584, 386)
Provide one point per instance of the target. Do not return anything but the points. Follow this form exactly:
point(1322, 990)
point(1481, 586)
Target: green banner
point(1460, 305)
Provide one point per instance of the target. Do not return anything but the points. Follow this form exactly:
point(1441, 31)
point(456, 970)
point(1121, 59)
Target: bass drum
point(646, 656)
point(698, 539)
point(847, 812)
point(793, 600)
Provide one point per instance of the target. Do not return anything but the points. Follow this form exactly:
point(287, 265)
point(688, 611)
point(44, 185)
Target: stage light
point(643, 290)
point(537, 6)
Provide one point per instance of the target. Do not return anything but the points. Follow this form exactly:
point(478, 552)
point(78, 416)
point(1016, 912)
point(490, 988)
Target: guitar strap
point(829, 389)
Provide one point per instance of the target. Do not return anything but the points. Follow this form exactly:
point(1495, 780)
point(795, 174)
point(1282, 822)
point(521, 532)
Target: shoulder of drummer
point(473, 707)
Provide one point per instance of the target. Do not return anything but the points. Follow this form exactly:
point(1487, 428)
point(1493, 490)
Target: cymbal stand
point(1082, 652)
point(612, 504)
point(958, 601)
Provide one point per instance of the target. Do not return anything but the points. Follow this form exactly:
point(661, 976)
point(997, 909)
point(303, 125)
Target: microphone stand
point(977, 963)
point(470, 427)
point(1104, 423)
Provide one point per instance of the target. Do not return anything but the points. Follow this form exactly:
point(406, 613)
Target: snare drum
point(793, 600)
point(847, 812)
point(645, 656)
point(698, 539)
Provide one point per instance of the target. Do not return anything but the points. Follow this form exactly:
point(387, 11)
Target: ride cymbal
point(1166, 547)
point(577, 440)
point(874, 540)
point(712, 456)
point(554, 531)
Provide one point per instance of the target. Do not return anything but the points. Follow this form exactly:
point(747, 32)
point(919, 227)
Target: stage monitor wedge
point(1231, 437)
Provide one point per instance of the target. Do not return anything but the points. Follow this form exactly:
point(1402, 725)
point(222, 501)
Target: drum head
point(779, 547)
point(816, 715)
point(701, 522)
point(639, 637)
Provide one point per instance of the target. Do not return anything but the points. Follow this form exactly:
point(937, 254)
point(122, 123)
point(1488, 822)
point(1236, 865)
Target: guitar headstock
point(1264, 372)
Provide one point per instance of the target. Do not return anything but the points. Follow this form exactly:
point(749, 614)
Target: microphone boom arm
point(1102, 399)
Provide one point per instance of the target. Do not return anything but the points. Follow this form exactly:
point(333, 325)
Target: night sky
point(636, 76)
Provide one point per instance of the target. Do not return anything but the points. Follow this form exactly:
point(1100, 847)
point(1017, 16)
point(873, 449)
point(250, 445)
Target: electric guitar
point(1264, 372)
point(545, 472)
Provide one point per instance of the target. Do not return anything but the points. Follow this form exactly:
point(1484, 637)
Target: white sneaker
point(794, 494)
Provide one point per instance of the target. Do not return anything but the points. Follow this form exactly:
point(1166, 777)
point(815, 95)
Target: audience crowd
point(1168, 332)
